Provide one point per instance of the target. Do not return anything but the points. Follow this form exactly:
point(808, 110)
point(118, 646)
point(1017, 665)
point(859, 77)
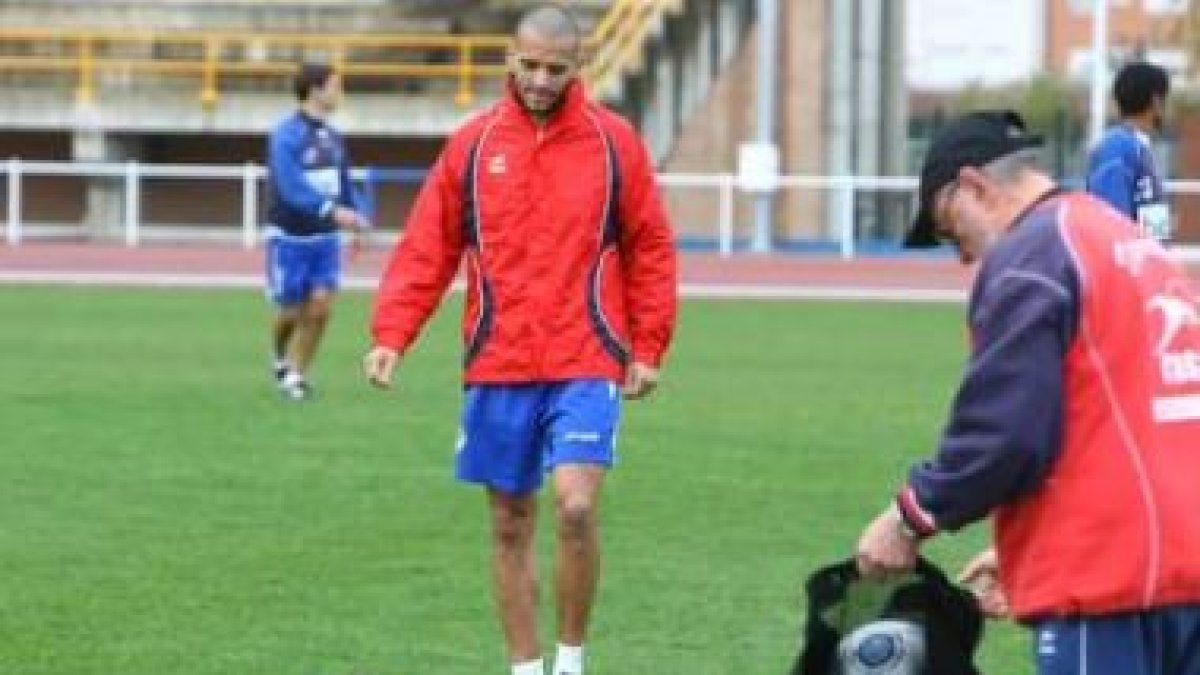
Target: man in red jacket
point(570, 304)
point(1076, 426)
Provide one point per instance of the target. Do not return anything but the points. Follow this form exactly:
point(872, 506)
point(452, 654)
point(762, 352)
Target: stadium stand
point(199, 83)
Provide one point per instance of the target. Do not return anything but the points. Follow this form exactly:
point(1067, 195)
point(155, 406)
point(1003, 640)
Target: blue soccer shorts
point(1151, 642)
point(511, 435)
point(298, 266)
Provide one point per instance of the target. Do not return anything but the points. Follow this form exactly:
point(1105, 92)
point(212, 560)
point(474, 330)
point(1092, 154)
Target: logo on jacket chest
point(1134, 255)
point(497, 164)
point(1179, 365)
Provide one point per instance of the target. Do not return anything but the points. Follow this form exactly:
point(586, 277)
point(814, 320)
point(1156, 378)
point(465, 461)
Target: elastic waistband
point(275, 232)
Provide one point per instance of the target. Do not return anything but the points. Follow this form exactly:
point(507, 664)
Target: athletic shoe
point(294, 387)
point(280, 368)
point(300, 391)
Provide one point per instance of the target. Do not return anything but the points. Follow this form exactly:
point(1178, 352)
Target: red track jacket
point(1077, 422)
point(1117, 527)
point(571, 268)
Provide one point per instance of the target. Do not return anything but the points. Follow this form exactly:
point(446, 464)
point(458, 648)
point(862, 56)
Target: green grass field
point(164, 512)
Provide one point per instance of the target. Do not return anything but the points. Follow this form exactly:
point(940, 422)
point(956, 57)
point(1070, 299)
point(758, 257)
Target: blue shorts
point(512, 434)
point(297, 266)
point(1153, 642)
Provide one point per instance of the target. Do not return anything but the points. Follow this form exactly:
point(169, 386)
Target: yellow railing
point(217, 61)
point(617, 42)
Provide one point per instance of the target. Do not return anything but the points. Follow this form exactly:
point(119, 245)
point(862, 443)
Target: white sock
point(569, 660)
point(529, 668)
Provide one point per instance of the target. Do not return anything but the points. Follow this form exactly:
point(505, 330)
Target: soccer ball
point(887, 647)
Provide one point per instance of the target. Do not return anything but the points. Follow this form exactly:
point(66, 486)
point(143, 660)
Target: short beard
point(543, 114)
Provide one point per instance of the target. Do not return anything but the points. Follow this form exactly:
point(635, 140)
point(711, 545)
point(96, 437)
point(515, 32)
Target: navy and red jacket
point(1077, 421)
point(570, 261)
point(308, 175)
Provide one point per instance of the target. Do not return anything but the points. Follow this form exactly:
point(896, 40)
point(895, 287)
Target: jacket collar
point(572, 107)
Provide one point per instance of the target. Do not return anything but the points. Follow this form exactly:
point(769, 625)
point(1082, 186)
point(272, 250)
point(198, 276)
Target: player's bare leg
point(310, 327)
point(282, 330)
point(514, 566)
point(577, 558)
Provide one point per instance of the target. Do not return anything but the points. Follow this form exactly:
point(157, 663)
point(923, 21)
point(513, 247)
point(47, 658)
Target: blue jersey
point(308, 174)
point(1122, 172)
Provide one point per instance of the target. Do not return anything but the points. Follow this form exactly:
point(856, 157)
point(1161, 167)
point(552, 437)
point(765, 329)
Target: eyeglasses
point(531, 66)
point(943, 229)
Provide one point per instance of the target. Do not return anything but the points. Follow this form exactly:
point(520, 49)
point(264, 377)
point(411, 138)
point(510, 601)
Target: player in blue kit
point(1121, 168)
point(311, 200)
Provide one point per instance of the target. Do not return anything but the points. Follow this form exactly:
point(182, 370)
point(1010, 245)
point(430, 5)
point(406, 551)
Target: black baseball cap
point(971, 140)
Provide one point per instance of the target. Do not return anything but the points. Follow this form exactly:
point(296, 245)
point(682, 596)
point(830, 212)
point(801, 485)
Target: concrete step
point(158, 112)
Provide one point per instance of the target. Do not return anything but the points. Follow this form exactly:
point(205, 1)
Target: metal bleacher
point(210, 77)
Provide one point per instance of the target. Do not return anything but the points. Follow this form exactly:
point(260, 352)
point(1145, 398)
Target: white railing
point(133, 174)
point(838, 213)
point(725, 186)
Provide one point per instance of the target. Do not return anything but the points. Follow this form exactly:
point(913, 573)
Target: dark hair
point(1137, 85)
point(311, 76)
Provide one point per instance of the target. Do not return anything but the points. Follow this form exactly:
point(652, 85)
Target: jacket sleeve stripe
point(1129, 442)
point(919, 520)
point(610, 234)
point(473, 241)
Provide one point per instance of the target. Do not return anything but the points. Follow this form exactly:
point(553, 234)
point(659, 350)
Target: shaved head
point(544, 58)
point(550, 22)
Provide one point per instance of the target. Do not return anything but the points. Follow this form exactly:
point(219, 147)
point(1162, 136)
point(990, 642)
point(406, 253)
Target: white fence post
point(846, 193)
point(13, 232)
point(132, 203)
point(725, 217)
point(249, 205)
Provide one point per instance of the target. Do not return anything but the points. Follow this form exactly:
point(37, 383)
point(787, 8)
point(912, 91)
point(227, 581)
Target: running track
point(742, 276)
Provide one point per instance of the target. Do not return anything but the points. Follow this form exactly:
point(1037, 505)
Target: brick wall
point(1186, 209)
point(710, 139)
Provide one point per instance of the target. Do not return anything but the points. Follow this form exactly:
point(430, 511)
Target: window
point(1166, 6)
point(1085, 6)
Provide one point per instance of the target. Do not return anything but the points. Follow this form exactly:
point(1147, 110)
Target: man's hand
point(378, 365)
point(346, 218)
point(886, 547)
point(354, 244)
point(640, 381)
point(353, 224)
point(982, 576)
